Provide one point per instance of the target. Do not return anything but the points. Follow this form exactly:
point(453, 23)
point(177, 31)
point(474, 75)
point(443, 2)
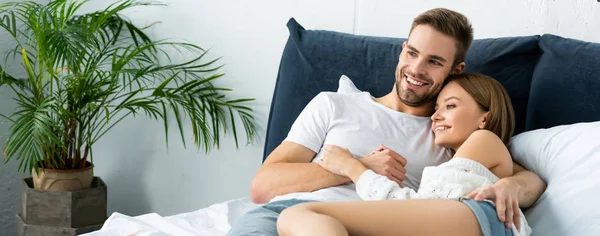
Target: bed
point(553, 82)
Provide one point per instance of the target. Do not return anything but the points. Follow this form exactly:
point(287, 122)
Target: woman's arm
point(369, 184)
point(372, 186)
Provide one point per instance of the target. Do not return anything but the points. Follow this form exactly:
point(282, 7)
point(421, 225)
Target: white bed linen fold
point(214, 220)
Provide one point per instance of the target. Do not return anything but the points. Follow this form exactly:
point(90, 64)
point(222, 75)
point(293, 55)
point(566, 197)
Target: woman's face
point(457, 115)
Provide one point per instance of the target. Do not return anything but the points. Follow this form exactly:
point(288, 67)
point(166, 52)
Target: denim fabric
point(262, 220)
point(487, 217)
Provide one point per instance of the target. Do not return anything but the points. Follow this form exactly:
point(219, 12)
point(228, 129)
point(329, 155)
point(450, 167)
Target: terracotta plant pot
point(63, 180)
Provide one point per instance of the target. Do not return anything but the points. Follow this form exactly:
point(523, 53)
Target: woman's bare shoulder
point(488, 149)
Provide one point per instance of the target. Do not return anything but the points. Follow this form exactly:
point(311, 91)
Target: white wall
point(144, 177)
point(9, 177)
point(250, 35)
point(578, 19)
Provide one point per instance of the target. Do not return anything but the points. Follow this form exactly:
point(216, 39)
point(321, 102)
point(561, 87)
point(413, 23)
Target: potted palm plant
point(87, 72)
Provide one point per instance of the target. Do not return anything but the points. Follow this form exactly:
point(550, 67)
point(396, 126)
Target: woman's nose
point(436, 116)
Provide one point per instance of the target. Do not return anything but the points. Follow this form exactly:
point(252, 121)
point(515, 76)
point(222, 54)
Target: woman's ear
point(483, 120)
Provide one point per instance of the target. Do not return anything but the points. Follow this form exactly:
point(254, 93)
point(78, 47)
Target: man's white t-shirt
point(356, 122)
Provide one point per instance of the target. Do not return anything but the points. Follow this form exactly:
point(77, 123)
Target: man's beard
point(410, 98)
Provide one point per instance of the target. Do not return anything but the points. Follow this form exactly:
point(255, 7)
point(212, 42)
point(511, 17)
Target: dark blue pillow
point(511, 61)
point(566, 84)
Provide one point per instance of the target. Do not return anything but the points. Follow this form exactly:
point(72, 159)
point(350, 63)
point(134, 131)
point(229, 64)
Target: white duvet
point(214, 220)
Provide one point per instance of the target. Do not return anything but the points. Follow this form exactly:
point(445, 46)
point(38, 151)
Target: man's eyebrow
point(412, 48)
point(436, 57)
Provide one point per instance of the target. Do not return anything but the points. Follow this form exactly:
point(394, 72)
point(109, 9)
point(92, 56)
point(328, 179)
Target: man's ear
point(403, 47)
point(484, 119)
point(459, 68)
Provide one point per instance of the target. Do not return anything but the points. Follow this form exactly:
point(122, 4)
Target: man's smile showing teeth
point(414, 82)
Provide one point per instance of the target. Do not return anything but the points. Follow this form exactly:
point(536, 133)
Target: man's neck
point(392, 101)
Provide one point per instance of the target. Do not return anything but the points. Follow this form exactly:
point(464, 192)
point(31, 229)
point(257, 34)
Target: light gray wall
point(143, 176)
point(9, 177)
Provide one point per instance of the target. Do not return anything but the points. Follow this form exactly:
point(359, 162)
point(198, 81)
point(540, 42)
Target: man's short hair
point(449, 23)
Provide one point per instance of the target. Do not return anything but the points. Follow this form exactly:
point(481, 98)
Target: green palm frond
point(33, 133)
point(86, 73)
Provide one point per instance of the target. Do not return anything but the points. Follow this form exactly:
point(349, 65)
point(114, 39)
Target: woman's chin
point(442, 143)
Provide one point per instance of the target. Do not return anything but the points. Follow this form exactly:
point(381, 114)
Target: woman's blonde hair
point(491, 97)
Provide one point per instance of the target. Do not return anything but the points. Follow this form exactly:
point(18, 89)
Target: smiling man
point(398, 122)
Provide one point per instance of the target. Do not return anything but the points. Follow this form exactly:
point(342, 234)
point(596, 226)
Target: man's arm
point(522, 189)
point(288, 169)
point(531, 186)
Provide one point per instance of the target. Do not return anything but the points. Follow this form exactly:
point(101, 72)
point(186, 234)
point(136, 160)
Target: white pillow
point(347, 86)
point(567, 158)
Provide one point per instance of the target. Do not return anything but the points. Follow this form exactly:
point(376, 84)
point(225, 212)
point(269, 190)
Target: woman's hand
point(338, 160)
point(383, 161)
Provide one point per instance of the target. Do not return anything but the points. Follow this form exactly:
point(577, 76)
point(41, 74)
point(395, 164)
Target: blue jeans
point(487, 216)
point(262, 220)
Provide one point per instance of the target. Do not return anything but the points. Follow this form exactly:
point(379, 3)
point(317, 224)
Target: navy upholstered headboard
point(314, 60)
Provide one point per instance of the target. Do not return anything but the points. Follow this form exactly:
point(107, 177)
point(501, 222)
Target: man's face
point(425, 61)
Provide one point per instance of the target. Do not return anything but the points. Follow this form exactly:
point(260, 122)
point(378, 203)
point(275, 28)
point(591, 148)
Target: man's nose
point(419, 67)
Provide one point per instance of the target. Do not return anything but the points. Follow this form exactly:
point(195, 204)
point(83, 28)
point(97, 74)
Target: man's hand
point(506, 197)
point(387, 162)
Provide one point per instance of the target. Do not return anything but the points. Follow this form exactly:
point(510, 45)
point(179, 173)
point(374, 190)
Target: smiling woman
point(471, 102)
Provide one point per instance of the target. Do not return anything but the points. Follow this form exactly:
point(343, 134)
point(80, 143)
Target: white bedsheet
point(214, 220)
